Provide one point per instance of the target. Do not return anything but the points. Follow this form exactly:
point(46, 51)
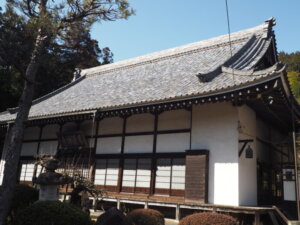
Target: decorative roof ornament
point(76, 74)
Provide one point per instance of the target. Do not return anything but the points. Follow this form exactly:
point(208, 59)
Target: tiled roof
point(163, 76)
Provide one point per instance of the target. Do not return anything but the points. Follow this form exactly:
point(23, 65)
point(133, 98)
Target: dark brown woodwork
point(108, 188)
point(121, 163)
point(196, 176)
point(93, 169)
point(153, 161)
point(135, 190)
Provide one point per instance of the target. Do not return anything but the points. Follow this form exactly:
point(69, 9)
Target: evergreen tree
point(47, 21)
point(76, 49)
point(293, 68)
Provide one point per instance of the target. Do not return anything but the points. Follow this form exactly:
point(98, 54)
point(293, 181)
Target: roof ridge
point(260, 30)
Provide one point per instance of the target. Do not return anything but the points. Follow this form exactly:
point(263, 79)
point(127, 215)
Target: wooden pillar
point(256, 218)
point(121, 163)
point(153, 162)
point(177, 212)
point(118, 204)
point(146, 205)
point(93, 163)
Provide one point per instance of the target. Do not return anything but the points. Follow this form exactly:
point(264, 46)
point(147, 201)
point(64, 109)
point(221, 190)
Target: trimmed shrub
point(24, 195)
point(145, 217)
point(51, 213)
point(113, 216)
point(208, 218)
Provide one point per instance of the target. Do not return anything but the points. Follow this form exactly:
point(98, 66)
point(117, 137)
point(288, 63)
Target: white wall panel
point(88, 127)
point(289, 193)
point(113, 125)
point(31, 133)
point(69, 127)
point(4, 150)
point(110, 145)
point(139, 144)
point(140, 123)
point(48, 147)
point(175, 119)
point(179, 142)
point(229, 184)
point(215, 128)
point(29, 149)
point(50, 131)
point(247, 167)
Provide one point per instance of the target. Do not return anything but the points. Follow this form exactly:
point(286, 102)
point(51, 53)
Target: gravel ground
point(170, 222)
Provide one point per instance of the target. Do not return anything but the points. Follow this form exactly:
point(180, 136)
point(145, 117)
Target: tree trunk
point(15, 141)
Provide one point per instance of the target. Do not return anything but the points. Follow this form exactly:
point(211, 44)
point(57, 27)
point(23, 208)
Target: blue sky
point(162, 24)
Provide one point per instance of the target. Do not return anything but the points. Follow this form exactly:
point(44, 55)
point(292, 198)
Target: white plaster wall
point(113, 125)
point(50, 131)
point(179, 142)
point(289, 193)
point(138, 144)
point(214, 127)
point(2, 161)
point(174, 119)
point(88, 127)
point(140, 123)
point(31, 133)
point(48, 147)
point(289, 186)
point(247, 167)
point(110, 145)
point(69, 127)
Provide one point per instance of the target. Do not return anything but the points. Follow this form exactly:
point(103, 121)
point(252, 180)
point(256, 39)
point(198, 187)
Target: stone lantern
point(49, 181)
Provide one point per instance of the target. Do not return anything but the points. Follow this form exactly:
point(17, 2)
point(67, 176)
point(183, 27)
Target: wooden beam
point(273, 218)
point(256, 218)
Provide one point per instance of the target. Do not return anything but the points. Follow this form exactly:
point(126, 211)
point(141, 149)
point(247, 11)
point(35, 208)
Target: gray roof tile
point(161, 76)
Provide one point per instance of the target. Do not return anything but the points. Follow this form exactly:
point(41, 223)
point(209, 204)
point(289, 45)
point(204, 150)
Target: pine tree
point(48, 20)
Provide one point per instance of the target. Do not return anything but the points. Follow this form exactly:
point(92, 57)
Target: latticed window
point(107, 173)
point(27, 170)
point(136, 175)
point(170, 176)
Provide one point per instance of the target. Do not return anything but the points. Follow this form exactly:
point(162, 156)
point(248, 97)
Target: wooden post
point(94, 204)
point(256, 218)
point(177, 213)
point(146, 205)
point(118, 204)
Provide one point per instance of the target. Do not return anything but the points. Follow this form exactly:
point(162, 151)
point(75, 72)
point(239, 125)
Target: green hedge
point(51, 213)
point(24, 195)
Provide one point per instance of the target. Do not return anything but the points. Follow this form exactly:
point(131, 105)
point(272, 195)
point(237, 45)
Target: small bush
point(208, 218)
point(112, 216)
point(51, 213)
point(145, 217)
point(24, 195)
